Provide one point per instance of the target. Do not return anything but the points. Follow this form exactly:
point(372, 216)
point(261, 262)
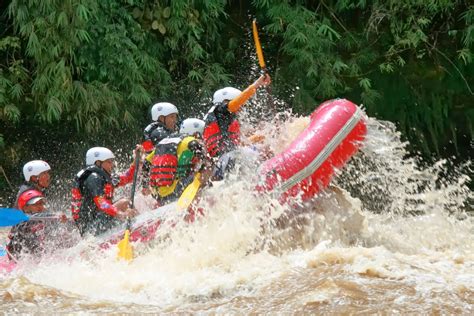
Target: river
point(390, 236)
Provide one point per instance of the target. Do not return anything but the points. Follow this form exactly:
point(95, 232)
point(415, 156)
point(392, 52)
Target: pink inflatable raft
point(336, 130)
point(6, 265)
point(334, 134)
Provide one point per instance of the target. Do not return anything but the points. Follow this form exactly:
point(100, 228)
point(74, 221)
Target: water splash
point(390, 225)
point(390, 180)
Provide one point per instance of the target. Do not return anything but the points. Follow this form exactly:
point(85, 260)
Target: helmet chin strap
point(36, 182)
point(100, 165)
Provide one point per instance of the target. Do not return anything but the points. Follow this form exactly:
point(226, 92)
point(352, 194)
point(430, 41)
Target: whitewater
point(390, 234)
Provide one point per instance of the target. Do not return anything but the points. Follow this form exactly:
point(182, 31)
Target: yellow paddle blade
point(125, 250)
point(261, 61)
point(189, 193)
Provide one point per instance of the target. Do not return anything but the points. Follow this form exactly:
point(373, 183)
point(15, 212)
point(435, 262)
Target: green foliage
point(96, 65)
point(189, 37)
point(13, 77)
point(75, 73)
point(361, 49)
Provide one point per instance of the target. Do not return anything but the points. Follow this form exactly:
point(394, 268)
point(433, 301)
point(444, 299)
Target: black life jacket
point(153, 134)
point(83, 208)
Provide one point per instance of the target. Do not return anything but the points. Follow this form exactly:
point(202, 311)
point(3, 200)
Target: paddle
point(12, 217)
point(256, 39)
point(125, 250)
point(189, 193)
point(191, 190)
point(261, 60)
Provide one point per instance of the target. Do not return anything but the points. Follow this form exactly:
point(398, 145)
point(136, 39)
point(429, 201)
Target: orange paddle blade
point(261, 61)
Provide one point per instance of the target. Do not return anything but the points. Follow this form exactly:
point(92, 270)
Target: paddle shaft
point(135, 176)
point(261, 60)
point(39, 218)
point(134, 185)
point(10, 256)
point(125, 250)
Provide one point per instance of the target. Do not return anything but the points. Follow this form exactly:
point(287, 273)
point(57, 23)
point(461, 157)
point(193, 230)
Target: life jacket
point(26, 238)
point(164, 163)
point(76, 191)
point(172, 161)
point(153, 134)
point(187, 156)
point(222, 131)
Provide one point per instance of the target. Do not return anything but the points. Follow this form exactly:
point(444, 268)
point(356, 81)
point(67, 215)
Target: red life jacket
point(220, 136)
point(164, 164)
point(76, 202)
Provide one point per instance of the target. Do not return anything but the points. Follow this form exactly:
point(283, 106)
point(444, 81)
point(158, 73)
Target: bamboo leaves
point(99, 64)
point(465, 55)
point(365, 84)
point(11, 112)
point(325, 30)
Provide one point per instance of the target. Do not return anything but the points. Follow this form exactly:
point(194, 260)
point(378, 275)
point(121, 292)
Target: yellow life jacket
point(185, 157)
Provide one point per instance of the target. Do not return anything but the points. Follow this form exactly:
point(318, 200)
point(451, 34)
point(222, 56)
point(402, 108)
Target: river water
point(389, 236)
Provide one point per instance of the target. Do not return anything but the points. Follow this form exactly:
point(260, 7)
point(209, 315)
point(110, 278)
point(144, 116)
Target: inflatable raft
point(336, 131)
point(6, 265)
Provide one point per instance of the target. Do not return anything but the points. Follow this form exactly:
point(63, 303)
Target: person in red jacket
point(165, 119)
point(93, 208)
point(37, 177)
point(27, 237)
point(222, 131)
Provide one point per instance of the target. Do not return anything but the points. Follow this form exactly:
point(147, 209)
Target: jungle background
point(81, 73)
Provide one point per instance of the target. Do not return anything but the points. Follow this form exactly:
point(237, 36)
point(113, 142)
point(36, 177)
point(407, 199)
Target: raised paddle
point(191, 190)
point(261, 61)
point(125, 250)
point(256, 39)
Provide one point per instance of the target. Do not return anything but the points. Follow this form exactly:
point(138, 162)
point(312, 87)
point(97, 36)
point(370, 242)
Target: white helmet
point(34, 168)
point(98, 153)
point(191, 126)
point(227, 93)
point(162, 109)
